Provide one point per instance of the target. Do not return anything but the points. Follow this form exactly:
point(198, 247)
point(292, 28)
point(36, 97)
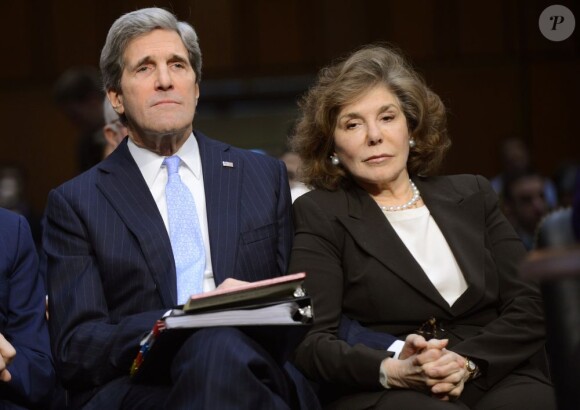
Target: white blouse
point(423, 238)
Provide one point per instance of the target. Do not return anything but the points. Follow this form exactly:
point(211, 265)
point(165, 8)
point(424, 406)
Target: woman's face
point(371, 139)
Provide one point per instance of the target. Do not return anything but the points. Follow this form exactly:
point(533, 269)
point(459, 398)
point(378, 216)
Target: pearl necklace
point(406, 205)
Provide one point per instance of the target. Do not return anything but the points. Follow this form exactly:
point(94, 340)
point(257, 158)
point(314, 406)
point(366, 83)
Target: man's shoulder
point(246, 155)
point(8, 221)
point(15, 235)
point(81, 179)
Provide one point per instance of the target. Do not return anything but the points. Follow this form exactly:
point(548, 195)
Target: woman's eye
point(351, 125)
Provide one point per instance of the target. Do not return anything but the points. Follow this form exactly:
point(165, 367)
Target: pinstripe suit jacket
point(22, 319)
point(110, 266)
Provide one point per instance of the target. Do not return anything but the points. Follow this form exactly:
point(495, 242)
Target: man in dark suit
point(114, 264)
point(26, 370)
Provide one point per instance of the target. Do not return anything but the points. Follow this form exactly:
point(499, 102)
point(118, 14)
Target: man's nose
point(163, 80)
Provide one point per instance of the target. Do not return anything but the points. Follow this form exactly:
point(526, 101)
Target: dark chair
point(556, 265)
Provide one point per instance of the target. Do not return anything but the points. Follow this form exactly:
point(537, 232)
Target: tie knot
point(172, 164)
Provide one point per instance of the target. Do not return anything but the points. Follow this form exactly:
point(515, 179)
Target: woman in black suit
point(391, 249)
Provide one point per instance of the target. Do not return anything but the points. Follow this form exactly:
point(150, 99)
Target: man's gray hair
point(135, 24)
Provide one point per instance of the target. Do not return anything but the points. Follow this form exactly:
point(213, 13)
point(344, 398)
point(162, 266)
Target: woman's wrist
point(384, 373)
point(472, 369)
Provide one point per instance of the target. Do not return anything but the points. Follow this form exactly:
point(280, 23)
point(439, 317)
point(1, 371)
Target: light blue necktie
point(184, 233)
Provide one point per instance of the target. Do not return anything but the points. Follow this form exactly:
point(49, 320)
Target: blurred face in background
point(528, 205)
point(114, 132)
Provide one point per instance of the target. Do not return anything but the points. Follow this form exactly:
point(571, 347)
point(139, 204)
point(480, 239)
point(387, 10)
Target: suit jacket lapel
point(222, 175)
point(371, 230)
point(123, 185)
point(461, 220)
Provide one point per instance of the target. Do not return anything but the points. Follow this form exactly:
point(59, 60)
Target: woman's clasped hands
point(427, 366)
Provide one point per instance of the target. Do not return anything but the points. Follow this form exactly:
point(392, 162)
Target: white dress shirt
point(155, 174)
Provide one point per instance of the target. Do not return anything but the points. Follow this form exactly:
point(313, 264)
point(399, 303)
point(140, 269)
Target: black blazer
point(359, 267)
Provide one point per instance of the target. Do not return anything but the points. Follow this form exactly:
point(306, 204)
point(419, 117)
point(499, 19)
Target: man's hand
point(7, 353)
point(231, 283)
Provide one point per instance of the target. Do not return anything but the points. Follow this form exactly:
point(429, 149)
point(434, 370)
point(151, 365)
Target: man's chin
point(166, 130)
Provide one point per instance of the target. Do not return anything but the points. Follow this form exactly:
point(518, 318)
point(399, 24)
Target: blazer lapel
point(371, 230)
point(123, 185)
point(461, 220)
point(222, 176)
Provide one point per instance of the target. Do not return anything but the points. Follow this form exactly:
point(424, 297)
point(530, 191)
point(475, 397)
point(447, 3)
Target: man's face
point(528, 202)
point(158, 87)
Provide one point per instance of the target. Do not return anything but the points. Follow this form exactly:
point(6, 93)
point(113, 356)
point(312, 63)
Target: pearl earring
point(412, 143)
point(334, 160)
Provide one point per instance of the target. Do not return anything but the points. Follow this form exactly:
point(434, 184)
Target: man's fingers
point(6, 350)
point(5, 376)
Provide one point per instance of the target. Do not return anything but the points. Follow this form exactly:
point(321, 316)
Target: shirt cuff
point(396, 348)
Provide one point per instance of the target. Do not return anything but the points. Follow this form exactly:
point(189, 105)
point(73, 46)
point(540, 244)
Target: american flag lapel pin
point(228, 164)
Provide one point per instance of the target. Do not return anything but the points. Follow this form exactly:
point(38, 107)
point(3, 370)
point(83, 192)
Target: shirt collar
point(151, 163)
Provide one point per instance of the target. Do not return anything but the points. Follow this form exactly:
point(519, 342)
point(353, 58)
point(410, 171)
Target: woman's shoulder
point(464, 183)
point(330, 201)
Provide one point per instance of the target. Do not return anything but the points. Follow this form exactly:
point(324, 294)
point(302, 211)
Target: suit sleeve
point(32, 369)
point(322, 355)
point(284, 216)
point(518, 331)
point(89, 346)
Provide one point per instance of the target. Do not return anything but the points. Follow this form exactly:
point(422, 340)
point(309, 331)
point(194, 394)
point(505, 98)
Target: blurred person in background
point(13, 197)
point(114, 130)
point(565, 180)
point(515, 158)
point(293, 164)
point(525, 203)
point(79, 94)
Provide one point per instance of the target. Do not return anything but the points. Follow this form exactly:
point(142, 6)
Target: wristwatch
point(471, 368)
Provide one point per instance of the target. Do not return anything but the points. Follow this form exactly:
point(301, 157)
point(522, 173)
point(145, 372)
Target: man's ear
point(116, 100)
